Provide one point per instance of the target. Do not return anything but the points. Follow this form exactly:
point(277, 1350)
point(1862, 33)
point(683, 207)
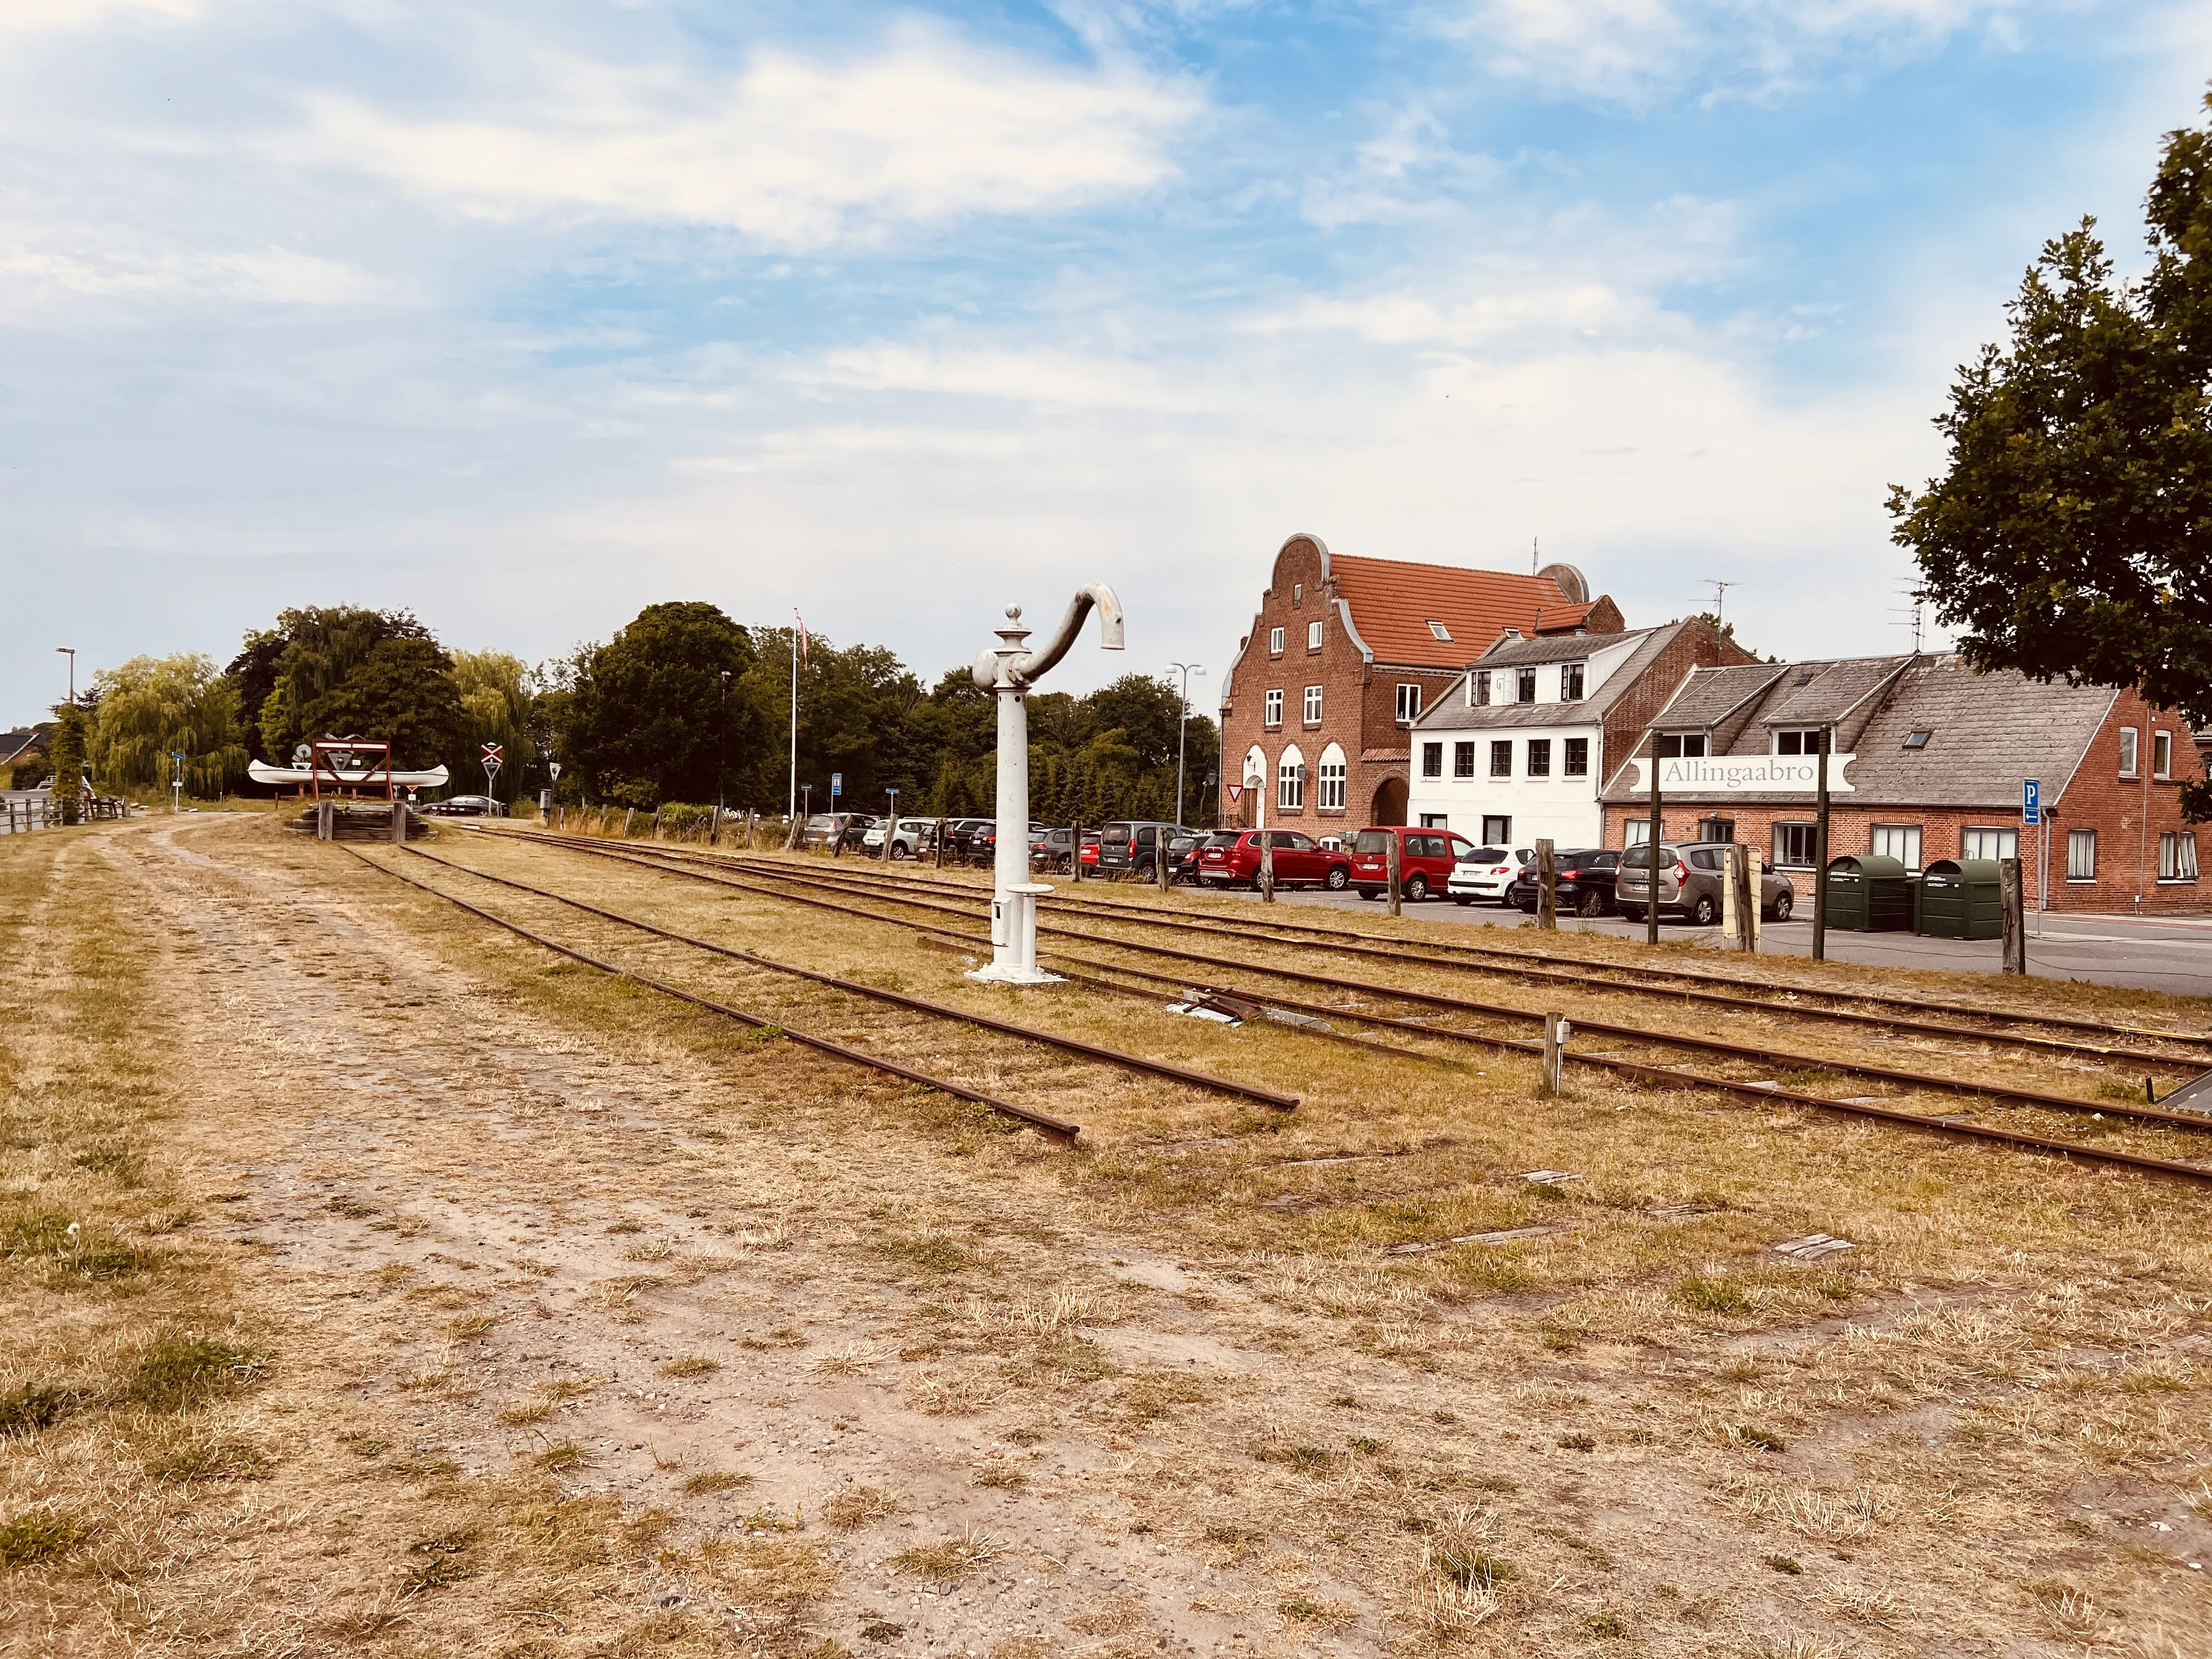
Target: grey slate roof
point(1449, 713)
point(1988, 731)
point(1562, 647)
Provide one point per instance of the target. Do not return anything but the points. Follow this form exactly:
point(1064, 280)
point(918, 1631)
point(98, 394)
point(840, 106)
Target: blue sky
point(525, 316)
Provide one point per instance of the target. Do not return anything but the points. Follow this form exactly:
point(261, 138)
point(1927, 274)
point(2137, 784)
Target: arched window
point(1329, 795)
point(1290, 780)
point(1255, 768)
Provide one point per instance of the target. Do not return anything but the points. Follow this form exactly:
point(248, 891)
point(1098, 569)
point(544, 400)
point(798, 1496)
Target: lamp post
point(722, 755)
point(70, 651)
point(1183, 718)
point(890, 828)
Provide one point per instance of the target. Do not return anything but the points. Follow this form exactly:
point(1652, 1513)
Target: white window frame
point(1811, 839)
point(2177, 857)
point(1274, 641)
point(1409, 707)
point(1478, 690)
point(1889, 838)
point(1329, 797)
point(1313, 636)
point(1681, 740)
point(1443, 634)
point(2005, 834)
point(1636, 831)
point(1291, 783)
point(1312, 710)
point(2130, 740)
point(1273, 718)
point(2081, 855)
point(1572, 677)
point(2162, 754)
point(1809, 740)
point(1524, 686)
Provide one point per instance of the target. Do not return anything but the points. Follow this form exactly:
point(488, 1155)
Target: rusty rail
point(837, 1050)
point(858, 988)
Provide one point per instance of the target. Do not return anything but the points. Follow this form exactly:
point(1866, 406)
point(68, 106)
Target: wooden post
point(1658, 835)
point(1555, 1042)
point(1268, 866)
point(1742, 896)
point(1075, 851)
point(1821, 858)
point(400, 820)
point(326, 820)
point(1547, 885)
point(938, 837)
point(1391, 850)
point(1161, 873)
point(2016, 919)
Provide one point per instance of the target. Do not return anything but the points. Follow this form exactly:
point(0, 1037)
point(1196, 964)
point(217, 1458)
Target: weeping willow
point(496, 707)
point(153, 706)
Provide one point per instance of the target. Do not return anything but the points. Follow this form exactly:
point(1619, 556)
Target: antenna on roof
point(1720, 595)
point(1910, 614)
point(1532, 556)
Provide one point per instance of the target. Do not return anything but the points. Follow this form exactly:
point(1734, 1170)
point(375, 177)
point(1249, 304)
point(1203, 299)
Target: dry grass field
point(374, 1282)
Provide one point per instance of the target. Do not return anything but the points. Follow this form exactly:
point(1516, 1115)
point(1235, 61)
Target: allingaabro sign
point(1744, 775)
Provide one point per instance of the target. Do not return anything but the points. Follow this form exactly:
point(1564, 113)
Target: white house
point(1519, 746)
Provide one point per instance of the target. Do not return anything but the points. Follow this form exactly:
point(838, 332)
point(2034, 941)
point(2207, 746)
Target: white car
point(1485, 874)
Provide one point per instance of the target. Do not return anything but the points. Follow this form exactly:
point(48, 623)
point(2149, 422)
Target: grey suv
point(1690, 878)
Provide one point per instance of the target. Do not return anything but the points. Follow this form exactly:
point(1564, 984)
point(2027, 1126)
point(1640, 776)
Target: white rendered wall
point(1564, 809)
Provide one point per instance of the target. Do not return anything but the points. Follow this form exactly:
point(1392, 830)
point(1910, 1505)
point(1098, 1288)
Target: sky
point(526, 316)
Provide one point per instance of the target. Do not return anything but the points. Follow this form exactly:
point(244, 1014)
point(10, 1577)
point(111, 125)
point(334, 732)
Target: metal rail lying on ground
point(1667, 1076)
point(822, 1045)
point(1562, 967)
point(1251, 1091)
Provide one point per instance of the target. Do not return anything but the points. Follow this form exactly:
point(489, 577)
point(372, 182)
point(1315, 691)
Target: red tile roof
point(1394, 600)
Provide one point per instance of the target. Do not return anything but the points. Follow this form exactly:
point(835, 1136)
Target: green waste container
point(1961, 898)
point(1869, 895)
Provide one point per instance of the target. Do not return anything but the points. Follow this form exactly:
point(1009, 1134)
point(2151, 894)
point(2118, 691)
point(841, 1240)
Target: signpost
point(494, 759)
point(2031, 812)
point(176, 781)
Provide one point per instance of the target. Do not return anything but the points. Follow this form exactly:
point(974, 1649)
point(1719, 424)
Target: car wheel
point(1338, 879)
point(1704, 913)
point(1371, 892)
point(1782, 906)
point(1417, 889)
point(1591, 903)
point(899, 853)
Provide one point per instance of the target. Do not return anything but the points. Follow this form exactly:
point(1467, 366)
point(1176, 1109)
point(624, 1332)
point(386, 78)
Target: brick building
point(1342, 657)
point(1941, 753)
point(1517, 748)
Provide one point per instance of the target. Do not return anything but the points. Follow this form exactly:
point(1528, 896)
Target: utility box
point(1961, 898)
point(1871, 894)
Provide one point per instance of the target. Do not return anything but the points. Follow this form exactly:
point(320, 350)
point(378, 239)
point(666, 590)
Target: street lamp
point(1182, 718)
point(890, 828)
point(70, 651)
point(721, 754)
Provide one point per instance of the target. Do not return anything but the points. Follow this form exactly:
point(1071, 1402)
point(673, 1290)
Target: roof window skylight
point(1440, 631)
point(1918, 739)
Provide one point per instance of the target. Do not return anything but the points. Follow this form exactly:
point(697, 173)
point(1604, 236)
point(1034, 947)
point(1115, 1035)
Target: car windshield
point(1639, 858)
point(1224, 838)
point(1482, 856)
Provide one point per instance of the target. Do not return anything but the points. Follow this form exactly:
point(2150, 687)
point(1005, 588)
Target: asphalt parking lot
point(2172, 955)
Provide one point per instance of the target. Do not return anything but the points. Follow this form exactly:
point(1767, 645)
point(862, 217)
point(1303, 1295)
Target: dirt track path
point(467, 1207)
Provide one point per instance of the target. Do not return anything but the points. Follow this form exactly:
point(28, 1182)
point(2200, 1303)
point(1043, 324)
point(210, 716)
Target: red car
point(1231, 859)
point(1425, 857)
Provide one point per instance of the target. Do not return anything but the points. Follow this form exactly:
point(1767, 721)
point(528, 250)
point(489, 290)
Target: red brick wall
point(2096, 798)
point(1699, 645)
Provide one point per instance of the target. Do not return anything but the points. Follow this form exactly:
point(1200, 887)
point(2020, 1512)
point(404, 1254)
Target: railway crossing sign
point(2031, 801)
point(494, 756)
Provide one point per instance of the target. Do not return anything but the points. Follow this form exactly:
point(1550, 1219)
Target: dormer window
point(1478, 690)
point(1441, 632)
point(1570, 683)
point(1800, 740)
point(1526, 692)
point(1681, 746)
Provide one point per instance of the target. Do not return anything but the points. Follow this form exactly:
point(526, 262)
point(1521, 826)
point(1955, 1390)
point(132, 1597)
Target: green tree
point(403, 692)
point(650, 718)
point(67, 754)
point(496, 706)
point(153, 706)
point(299, 691)
point(2072, 536)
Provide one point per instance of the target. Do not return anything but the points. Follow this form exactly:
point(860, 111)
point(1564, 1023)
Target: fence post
point(400, 820)
point(1555, 1041)
point(1547, 885)
point(1075, 850)
point(325, 820)
point(2015, 920)
point(1160, 853)
point(1390, 864)
point(1267, 867)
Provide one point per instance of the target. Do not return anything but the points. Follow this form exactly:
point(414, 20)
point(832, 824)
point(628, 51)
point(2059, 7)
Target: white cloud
point(44, 264)
point(1630, 50)
point(1063, 379)
point(794, 151)
point(40, 16)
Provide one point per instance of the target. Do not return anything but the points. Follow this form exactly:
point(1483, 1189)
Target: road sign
point(837, 783)
point(554, 767)
point(2031, 801)
point(1236, 792)
point(493, 751)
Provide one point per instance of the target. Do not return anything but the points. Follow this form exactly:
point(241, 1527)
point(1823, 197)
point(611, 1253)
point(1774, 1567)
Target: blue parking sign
point(837, 783)
point(2031, 801)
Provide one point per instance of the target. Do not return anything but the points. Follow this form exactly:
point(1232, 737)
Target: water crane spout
point(1010, 671)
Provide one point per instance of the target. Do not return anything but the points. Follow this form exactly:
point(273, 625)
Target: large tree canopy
point(654, 713)
point(152, 707)
point(2072, 536)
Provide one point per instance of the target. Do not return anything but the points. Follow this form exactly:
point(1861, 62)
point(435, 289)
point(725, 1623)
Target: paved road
point(2172, 955)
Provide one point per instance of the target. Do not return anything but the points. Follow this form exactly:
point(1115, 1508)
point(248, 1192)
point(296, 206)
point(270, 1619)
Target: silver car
point(1690, 875)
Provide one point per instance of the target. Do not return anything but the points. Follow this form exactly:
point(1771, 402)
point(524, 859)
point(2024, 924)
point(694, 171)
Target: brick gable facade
point(1358, 729)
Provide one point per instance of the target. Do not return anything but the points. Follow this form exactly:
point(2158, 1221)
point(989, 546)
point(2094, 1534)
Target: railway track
point(871, 1056)
point(1400, 1028)
point(1546, 966)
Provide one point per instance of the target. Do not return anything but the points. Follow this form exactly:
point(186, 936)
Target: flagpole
point(791, 807)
